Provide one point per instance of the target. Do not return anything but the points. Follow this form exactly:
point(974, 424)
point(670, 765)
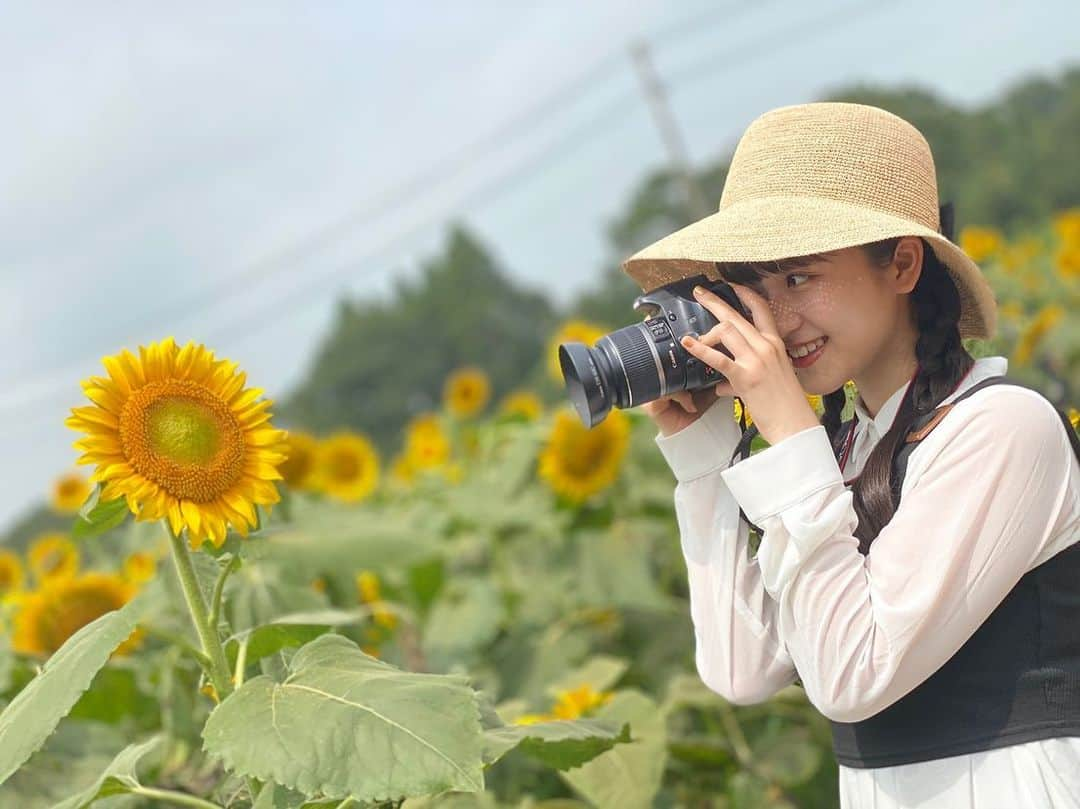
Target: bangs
point(749, 273)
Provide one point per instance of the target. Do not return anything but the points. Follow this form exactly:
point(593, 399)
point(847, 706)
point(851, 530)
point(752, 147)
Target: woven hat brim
point(773, 228)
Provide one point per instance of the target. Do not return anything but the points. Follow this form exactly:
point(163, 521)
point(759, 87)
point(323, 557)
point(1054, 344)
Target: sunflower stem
point(219, 590)
point(177, 798)
point(208, 635)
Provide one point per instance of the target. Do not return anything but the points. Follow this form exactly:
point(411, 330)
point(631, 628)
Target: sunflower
point(572, 331)
point(11, 573)
point(577, 461)
point(1074, 418)
point(1044, 321)
point(298, 467)
point(1068, 262)
point(347, 466)
point(139, 567)
point(980, 243)
point(737, 411)
point(52, 556)
point(175, 432)
point(466, 392)
point(1067, 226)
point(62, 606)
point(426, 444)
point(524, 403)
point(70, 492)
point(402, 470)
point(579, 701)
point(367, 585)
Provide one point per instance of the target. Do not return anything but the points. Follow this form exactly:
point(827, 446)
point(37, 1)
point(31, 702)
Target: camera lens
point(624, 369)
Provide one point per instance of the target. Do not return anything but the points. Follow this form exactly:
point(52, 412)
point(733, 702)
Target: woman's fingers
point(732, 339)
point(725, 313)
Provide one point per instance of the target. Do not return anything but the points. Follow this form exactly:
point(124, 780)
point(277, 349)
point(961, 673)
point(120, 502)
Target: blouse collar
point(879, 425)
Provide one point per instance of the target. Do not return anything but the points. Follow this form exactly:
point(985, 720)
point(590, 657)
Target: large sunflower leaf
point(629, 775)
point(560, 743)
point(119, 777)
point(32, 716)
point(343, 723)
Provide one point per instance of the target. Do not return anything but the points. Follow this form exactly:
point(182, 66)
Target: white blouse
point(991, 493)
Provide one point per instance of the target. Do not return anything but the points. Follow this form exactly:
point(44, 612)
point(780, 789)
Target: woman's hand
point(761, 373)
point(681, 409)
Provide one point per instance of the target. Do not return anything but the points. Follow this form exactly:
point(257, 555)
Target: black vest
point(1015, 680)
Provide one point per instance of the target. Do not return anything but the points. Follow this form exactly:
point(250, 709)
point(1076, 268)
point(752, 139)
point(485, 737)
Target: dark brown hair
point(943, 362)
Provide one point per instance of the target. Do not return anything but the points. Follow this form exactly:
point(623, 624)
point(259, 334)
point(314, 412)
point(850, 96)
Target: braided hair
point(943, 362)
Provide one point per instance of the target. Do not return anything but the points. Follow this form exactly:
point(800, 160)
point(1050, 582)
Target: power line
point(260, 320)
point(387, 200)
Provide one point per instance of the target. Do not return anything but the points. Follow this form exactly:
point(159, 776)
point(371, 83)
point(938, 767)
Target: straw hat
point(817, 177)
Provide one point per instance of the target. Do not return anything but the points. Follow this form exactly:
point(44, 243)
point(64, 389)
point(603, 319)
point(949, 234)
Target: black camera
point(645, 361)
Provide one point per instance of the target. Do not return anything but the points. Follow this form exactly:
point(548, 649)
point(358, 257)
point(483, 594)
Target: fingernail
point(699, 290)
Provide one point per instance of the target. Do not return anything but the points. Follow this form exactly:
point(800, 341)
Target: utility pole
point(669, 129)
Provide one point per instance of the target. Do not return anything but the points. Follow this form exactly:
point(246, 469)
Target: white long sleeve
point(738, 649)
point(991, 493)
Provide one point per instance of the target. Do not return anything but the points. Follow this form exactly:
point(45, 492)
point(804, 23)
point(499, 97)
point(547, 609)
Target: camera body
point(645, 361)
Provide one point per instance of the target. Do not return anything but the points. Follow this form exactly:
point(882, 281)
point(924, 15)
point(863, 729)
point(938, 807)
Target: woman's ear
point(907, 263)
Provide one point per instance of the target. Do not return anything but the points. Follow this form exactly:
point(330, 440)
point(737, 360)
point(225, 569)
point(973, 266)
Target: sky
point(224, 174)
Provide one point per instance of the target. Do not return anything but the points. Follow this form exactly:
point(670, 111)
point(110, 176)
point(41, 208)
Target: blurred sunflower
point(347, 466)
point(175, 432)
point(579, 701)
point(426, 443)
point(1068, 262)
point(466, 392)
point(139, 567)
point(52, 556)
point(1067, 226)
point(367, 585)
point(298, 467)
point(1011, 310)
point(738, 412)
point(524, 403)
point(58, 609)
point(1030, 338)
point(1020, 255)
point(70, 492)
point(572, 331)
point(577, 462)
point(1074, 418)
point(401, 469)
point(11, 573)
point(980, 243)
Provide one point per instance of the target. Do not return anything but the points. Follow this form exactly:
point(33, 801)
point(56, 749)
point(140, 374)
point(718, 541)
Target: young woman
point(931, 610)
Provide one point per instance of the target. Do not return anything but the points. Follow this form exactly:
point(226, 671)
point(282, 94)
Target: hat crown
point(850, 153)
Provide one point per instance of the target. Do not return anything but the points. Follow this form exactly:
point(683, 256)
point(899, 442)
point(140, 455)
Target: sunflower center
point(183, 437)
point(183, 430)
point(80, 606)
point(69, 488)
point(343, 466)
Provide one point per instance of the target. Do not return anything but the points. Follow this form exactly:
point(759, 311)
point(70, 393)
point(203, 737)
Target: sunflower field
point(245, 616)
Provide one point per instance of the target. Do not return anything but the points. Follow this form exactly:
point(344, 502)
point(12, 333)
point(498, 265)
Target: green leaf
point(789, 758)
point(72, 758)
point(275, 796)
point(96, 517)
point(687, 690)
point(28, 720)
point(466, 616)
point(629, 775)
point(343, 723)
point(601, 672)
point(561, 743)
point(294, 629)
point(119, 777)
